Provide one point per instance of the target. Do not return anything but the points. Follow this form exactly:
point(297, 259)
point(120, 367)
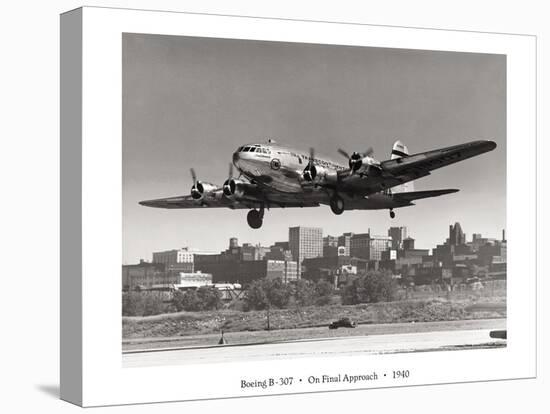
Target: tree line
point(265, 294)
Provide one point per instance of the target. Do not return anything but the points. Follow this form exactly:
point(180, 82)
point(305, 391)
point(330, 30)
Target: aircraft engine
point(362, 163)
point(318, 175)
point(233, 188)
point(370, 168)
point(200, 189)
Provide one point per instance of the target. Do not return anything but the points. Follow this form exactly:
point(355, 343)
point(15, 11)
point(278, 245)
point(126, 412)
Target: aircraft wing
point(186, 201)
point(401, 170)
point(217, 199)
point(425, 162)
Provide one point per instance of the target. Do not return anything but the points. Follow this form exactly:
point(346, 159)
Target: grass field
point(182, 324)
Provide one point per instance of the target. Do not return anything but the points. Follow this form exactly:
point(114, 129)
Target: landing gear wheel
point(392, 214)
point(254, 218)
point(337, 205)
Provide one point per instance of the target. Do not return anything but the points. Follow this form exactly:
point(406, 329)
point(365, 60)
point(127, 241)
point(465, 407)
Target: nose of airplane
point(235, 158)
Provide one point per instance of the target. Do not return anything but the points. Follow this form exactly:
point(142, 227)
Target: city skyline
point(236, 242)
point(182, 95)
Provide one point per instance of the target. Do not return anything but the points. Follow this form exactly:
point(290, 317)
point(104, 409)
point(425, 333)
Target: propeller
point(310, 171)
point(197, 188)
point(311, 156)
point(227, 189)
point(355, 160)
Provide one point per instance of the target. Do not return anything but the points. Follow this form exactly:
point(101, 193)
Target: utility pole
point(268, 311)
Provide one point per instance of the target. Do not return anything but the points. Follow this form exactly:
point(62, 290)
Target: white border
point(105, 382)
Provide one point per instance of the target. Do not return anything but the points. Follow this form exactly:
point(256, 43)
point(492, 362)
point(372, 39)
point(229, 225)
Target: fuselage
point(278, 167)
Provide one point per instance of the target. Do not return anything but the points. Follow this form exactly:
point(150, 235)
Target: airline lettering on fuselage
point(317, 161)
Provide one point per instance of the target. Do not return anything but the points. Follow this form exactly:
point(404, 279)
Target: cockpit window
point(254, 149)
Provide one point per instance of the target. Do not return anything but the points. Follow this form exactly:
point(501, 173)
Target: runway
point(346, 346)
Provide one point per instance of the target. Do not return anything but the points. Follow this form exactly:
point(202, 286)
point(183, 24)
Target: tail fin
point(400, 150)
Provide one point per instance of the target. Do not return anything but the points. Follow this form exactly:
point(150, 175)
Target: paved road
point(374, 344)
point(260, 337)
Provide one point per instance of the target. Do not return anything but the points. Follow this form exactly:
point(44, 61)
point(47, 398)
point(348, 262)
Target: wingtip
point(484, 145)
point(449, 191)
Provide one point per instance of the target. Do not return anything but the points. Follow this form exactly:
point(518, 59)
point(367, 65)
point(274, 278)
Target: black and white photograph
point(288, 200)
point(305, 209)
point(275, 207)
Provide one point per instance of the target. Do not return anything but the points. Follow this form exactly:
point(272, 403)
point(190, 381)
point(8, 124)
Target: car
point(342, 323)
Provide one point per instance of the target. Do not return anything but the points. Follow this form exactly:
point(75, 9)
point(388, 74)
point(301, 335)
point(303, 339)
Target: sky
point(190, 102)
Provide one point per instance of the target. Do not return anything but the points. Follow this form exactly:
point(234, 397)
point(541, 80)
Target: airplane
point(276, 176)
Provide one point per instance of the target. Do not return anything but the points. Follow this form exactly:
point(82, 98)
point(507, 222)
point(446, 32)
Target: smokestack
point(503, 234)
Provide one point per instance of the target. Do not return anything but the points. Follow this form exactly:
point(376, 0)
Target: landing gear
point(255, 218)
point(392, 213)
point(337, 205)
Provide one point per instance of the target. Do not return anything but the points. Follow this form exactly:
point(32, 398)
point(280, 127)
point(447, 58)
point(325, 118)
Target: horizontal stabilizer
point(417, 195)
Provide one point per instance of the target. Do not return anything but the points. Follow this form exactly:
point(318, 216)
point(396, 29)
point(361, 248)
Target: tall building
point(142, 275)
point(330, 241)
point(379, 244)
point(250, 252)
point(247, 251)
point(369, 247)
point(176, 260)
point(305, 243)
point(345, 240)
point(226, 268)
point(331, 247)
point(282, 244)
point(478, 241)
point(407, 243)
point(456, 235)
point(278, 252)
point(284, 270)
point(360, 246)
point(397, 234)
